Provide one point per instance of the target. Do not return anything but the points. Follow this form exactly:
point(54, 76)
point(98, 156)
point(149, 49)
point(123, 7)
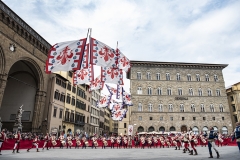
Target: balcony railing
point(80, 123)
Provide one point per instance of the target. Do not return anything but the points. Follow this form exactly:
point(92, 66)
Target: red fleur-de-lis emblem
point(112, 72)
point(117, 107)
point(82, 74)
point(106, 53)
point(64, 56)
point(124, 61)
point(103, 100)
point(128, 97)
point(118, 114)
point(113, 90)
point(96, 82)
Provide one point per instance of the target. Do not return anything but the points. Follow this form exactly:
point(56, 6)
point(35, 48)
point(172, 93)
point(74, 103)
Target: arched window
point(202, 108)
point(205, 129)
point(190, 91)
point(179, 91)
point(170, 108)
point(221, 108)
point(181, 108)
point(215, 129)
point(140, 129)
point(178, 77)
point(161, 129)
point(139, 75)
point(150, 107)
point(197, 77)
point(189, 78)
point(200, 91)
point(224, 130)
point(160, 107)
point(218, 93)
point(151, 129)
point(206, 77)
point(172, 129)
point(168, 77)
point(169, 91)
point(159, 91)
point(195, 130)
point(193, 108)
point(209, 92)
point(158, 76)
point(211, 108)
point(215, 78)
point(149, 91)
point(139, 90)
point(148, 75)
point(140, 107)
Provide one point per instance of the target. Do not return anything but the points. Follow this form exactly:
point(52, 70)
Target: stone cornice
point(16, 23)
point(178, 64)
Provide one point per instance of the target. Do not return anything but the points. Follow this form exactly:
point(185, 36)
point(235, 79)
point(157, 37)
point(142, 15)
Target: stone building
point(171, 96)
point(23, 53)
point(233, 94)
point(95, 112)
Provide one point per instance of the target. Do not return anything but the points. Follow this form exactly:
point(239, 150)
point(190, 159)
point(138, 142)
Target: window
point(69, 86)
point(215, 78)
point(161, 119)
point(221, 108)
point(73, 89)
point(148, 75)
point(213, 118)
point(55, 112)
point(125, 125)
point(231, 97)
point(179, 91)
point(150, 107)
point(63, 84)
point(140, 107)
point(167, 76)
point(169, 91)
point(171, 118)
point(159, 91)
point(170, 108)
point(158, 76)
point(178, 77)
point(62, 99)
point(60, 113)
point(206, 77)
point(211, 108)
point(202, 108)
point(204, 118)
point(218, 92)
point(183, 118)
point(68, 98)
point(233, 108)
point(197, 77)
point(139, 75)
point(193, 108)
point(57, 95)
point(209, 92)
point(140, 118)
point(223, 118)
point(194, 118)
point(189, 78)
point(70, 74)
point(150, 118)
point(73, 101)
point(190, 91)
point(160, 107)
point(58, 81)
point(181, 108)
point(139, 90)
point(200, 91)
point(149, 91)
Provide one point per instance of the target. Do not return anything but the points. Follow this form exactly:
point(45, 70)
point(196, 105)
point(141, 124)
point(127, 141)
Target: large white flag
point(96, 84)
point(119, 114)
point(123, 61)
point(104, 101)
point(112, 75)
point(83, 76)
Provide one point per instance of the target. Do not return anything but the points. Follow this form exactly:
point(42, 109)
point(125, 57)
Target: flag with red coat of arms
point(111, 90)
point(112, 75)
point(65, 56)
point(102, 55)
point(126, 98)
point(104, 101)
point(119, 114)
point(96, 84)
point(83, 76)
point(123, 62)
point(115, 106)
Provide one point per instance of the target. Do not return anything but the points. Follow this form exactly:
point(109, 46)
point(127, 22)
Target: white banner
point(130, 129)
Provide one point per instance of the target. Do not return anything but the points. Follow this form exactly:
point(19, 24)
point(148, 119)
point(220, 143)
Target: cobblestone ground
point(229, 153)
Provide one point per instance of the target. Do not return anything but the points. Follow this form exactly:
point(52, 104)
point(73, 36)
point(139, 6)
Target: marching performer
point(17, 142)
point(62, 141)
point(155, 140)
point(104, 142)
point(136, 142)
point(186, 141)
point(149, 141)
point(162, 142)
point(112, 138)
point(220, 139)
point(69, 141)
point(34, 143)
point(46, 138)
point(130, 141)
point(174, 141)
point(211, 137)
point(85, 142)
point(94, 142)
point(168, 142)
point(119, 142)
point(125, 141)
point(142, 142)
point(78, 142)
point(203, 140)
point(53, 140)
point(192, 138)
point(3, 138)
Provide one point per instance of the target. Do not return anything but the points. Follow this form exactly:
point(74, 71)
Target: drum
point(168, 143)
point(125, 141)
point(118, 141)
point(105, 143)
point(162, 142)
point(220, 140)
point(63, 143)
point(195, 141)
point(149, 142)
point(54, 143)
point(78, 143)
point(203, 140)
point(175, 143)
point(95, 143)
point(112, 140)
point(86, 143)
point(70, 143)
point(143, 141)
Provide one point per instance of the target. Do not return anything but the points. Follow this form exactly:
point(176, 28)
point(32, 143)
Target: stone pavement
point(229, 153)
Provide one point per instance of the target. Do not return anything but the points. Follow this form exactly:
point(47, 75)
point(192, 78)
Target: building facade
point(170, 96)
point(233, 94)
point(95, 113)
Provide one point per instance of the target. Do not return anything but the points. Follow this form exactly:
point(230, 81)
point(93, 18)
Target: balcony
point(79, 123)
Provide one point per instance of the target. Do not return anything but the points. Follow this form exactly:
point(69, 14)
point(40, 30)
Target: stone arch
point(2, 62)
point(151, 129)
point(161, 129)
point(183, 128)
point(140, 129)
point(172, 129)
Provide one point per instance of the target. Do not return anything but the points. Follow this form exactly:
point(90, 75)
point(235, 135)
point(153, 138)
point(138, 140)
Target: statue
point(18, 120)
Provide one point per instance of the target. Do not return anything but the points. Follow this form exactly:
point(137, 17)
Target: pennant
point(96, 84)
point(65, 56)
point(83, 76)
point(111, 90)
point(104, 101)
point(102, 55)
point(123, 62)
point(85, 60)
point(119, 114)
point(111, 75)
point(119, 92)
point(115, 106)
point(126, 98)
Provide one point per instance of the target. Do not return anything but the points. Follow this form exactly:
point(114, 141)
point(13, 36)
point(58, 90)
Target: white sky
point(196, 31)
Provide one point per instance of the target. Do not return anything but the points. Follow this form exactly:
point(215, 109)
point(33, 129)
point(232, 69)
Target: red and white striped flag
point(65, 56)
